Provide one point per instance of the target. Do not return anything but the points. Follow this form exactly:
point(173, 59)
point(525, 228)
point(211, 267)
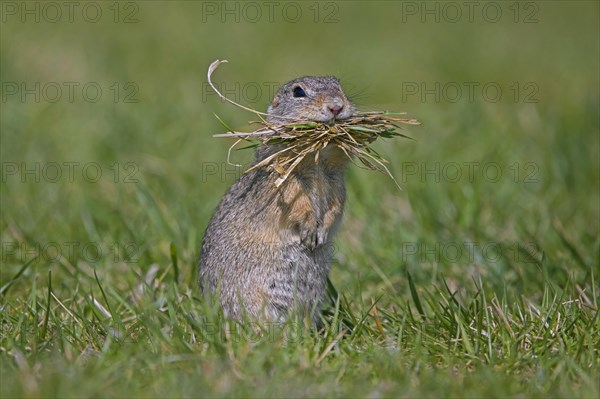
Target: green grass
point(468, 286)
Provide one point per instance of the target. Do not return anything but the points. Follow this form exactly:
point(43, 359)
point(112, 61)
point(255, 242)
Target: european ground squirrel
point(267, 251)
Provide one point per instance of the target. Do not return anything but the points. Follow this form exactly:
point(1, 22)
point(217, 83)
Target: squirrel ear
point(275, 102)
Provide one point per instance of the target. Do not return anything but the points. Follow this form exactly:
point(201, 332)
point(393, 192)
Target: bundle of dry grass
point(301, 139)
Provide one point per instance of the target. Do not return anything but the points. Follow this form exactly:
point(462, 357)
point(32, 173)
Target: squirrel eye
point(298, 92)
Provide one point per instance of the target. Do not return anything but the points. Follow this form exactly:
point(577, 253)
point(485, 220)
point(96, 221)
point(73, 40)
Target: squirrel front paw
point(312, 237)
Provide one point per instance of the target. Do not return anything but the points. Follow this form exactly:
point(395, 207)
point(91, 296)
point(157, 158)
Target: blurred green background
point(149, 133)
point(540, 132)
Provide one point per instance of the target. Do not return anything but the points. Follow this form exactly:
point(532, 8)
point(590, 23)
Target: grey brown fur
point(267, 251)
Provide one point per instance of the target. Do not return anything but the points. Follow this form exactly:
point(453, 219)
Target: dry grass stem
point(299, 139)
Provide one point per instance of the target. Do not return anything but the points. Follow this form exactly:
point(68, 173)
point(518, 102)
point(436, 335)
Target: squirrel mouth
point(332, 121)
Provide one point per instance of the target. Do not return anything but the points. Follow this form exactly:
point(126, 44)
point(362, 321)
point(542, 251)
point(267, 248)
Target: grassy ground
point(479, 279)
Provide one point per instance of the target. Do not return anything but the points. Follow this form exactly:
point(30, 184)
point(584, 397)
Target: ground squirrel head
point(310, 98)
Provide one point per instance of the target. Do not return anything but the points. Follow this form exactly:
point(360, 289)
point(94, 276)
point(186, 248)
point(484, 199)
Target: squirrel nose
point(335, 109)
